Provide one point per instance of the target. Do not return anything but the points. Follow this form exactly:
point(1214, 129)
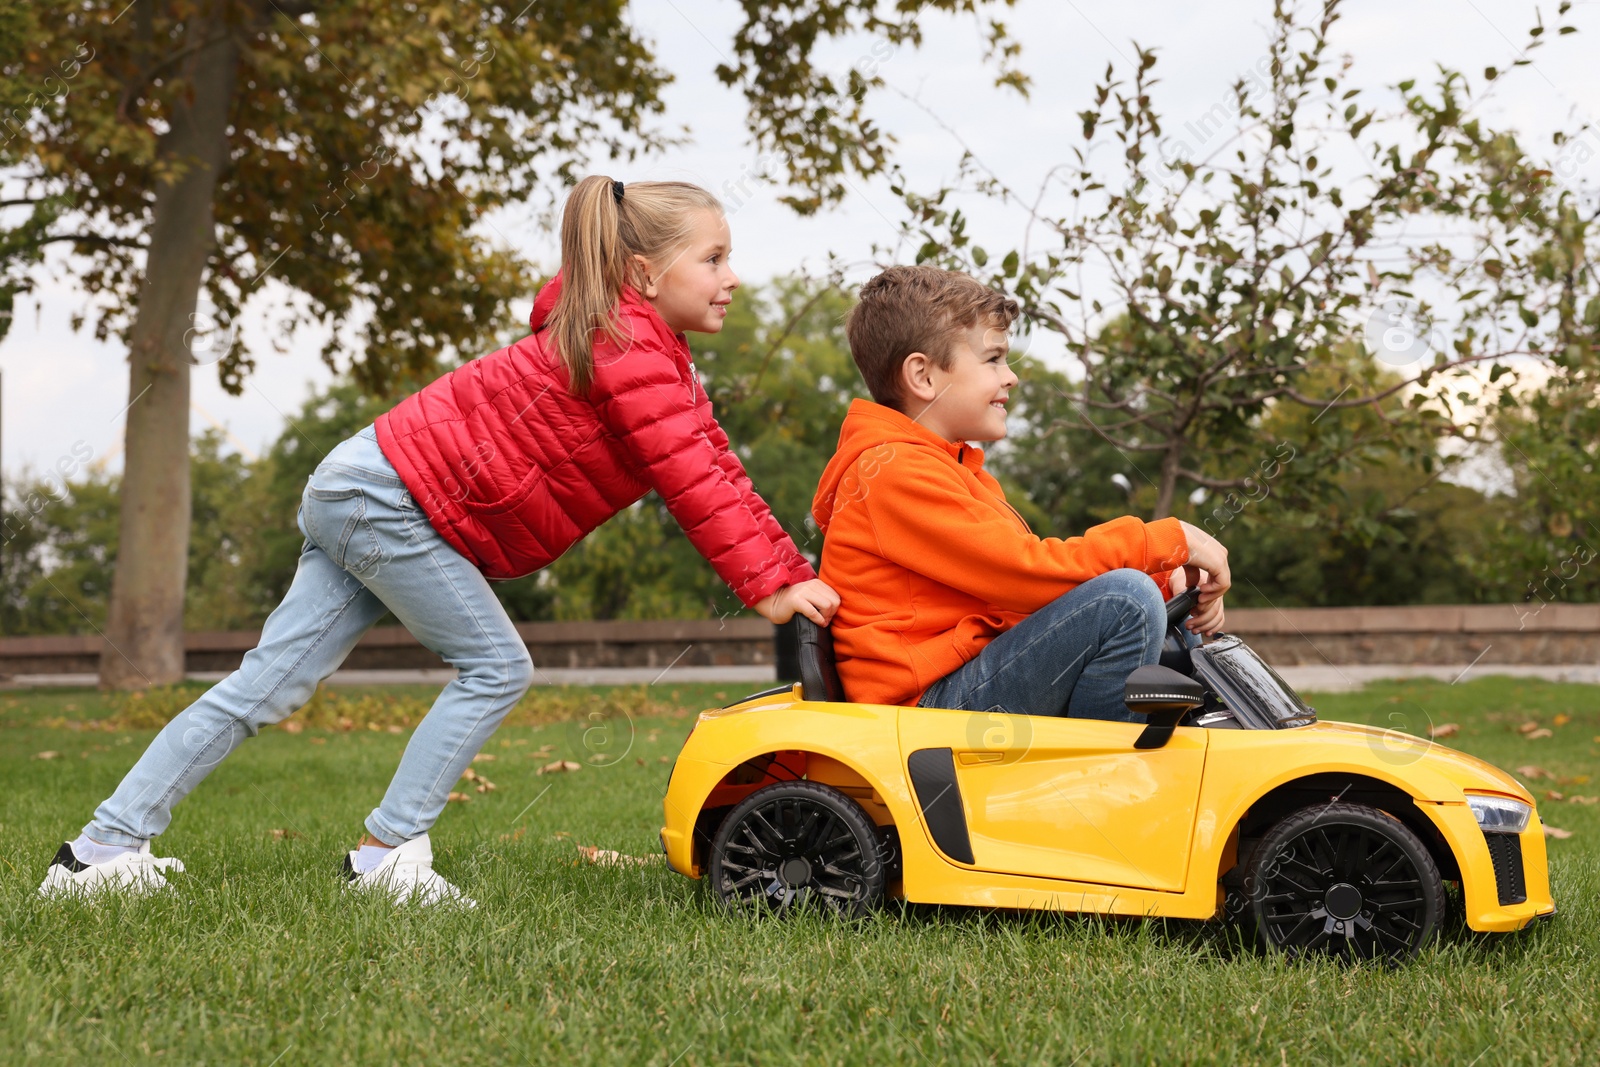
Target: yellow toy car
point(1229, 800)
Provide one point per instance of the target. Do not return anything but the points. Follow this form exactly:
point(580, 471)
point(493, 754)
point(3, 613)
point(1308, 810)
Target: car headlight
point(1500, 815)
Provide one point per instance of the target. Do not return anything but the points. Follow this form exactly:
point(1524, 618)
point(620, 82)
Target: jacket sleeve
point(651, 407)
point(800, 568)
point(985, 553)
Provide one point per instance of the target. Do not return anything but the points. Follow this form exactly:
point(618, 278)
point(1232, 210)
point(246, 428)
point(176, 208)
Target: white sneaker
point(407, 875)
point(132, 872)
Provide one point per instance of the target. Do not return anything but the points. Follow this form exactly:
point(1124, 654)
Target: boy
point(948, 599)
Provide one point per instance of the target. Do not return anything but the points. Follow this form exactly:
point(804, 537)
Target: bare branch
point(90, 239)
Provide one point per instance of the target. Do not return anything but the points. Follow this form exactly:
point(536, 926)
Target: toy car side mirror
point(1164, 695)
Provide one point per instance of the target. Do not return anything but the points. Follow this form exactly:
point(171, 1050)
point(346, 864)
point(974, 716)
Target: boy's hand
point(815, 599)
point(1207, 553)
point(1206, 620)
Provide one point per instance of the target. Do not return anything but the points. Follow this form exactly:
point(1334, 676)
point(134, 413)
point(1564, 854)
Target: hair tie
point(616, 191)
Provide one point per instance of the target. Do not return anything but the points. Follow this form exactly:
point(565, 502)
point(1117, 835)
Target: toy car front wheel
point(797, 845)
point(1343, 880)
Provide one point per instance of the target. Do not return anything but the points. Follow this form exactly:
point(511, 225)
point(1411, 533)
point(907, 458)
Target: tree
point(1337, 509)
point(350, 152)
point(1348, 506)
point(1199, 287)
point(58, 543)
point(19, 246)
point(1544, 546)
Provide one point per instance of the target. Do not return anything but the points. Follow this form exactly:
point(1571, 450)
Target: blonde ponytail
point(600, 235)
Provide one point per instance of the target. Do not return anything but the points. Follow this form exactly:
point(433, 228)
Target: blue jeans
point(368, 548)
point(1072, 656)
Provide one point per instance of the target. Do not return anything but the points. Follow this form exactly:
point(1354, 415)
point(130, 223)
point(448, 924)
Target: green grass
point(257, 958)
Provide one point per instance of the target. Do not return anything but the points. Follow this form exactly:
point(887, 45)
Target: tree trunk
point(144, 635)
point(1171, 459)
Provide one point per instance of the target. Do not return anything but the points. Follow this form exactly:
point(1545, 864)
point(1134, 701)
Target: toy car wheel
point(794, 846)
point(1343, 880)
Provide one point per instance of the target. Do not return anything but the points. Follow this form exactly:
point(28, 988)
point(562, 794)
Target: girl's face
point(693, 290)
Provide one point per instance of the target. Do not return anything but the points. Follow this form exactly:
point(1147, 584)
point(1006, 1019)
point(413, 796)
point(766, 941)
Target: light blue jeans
point(368, 547)
point(1071, 657)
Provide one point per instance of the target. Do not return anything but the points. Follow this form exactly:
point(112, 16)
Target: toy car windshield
point(1253, 690)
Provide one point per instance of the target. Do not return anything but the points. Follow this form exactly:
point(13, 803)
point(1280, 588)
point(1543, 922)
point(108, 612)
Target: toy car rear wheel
point(798, 846)
point(1343, 880)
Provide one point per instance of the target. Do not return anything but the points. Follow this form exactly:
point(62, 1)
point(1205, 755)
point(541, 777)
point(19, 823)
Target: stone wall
point(1483, 634)
point(1554, 634)
point(687, 643)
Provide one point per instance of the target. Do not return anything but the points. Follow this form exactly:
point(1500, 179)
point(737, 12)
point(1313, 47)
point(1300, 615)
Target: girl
point(489, 473)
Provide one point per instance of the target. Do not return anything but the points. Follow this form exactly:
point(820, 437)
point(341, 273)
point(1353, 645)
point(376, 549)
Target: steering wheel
point(1178, 607)
point(1175, 645)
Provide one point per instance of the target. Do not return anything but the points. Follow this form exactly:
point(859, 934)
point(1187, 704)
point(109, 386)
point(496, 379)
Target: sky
point(64, 392)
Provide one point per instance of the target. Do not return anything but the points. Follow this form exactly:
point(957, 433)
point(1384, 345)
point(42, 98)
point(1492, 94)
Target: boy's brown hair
point(917, 309)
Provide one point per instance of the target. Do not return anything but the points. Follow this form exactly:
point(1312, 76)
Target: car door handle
point(971, 758)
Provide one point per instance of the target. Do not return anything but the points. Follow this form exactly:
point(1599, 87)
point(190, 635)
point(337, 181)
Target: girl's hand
point(815, 599)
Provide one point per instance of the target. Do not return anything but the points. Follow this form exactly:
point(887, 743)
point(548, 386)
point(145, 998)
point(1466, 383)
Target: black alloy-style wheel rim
point(795, 852)
point(1343, 889)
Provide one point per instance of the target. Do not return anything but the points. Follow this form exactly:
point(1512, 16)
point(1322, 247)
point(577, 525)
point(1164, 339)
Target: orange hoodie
point(931, 563)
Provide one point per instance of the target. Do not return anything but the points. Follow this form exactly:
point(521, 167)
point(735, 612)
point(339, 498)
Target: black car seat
point(819, 679)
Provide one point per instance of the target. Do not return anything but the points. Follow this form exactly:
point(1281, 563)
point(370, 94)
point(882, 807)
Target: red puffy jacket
point(512, 468)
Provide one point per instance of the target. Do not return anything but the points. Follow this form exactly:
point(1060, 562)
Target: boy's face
point(968, 401)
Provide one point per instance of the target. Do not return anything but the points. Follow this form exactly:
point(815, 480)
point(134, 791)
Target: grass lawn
point(257, 958)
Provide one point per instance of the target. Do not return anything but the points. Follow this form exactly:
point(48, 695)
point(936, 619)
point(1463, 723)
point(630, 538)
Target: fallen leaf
point(1554, 794)
point(1527, 728)
point(1583, 800)
point(1538, 734)
point(1556, 832)
point(396, 728)
point(561, 835)
point(470, 775)
point(1573, 779)
point(639, 760)
point(663, 759)
point(559, 766)
point(459, 798)
point(485, 757)
point(484, 785)
point(1562, 720)
point(279, 835)
point(604, 857)
point(515, 835)
point(47, 755)
point(1444, 729)
point(319, 740)
point(1530, 771)
point(291, 727)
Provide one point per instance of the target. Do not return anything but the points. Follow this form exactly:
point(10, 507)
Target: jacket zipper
point(961, 452)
